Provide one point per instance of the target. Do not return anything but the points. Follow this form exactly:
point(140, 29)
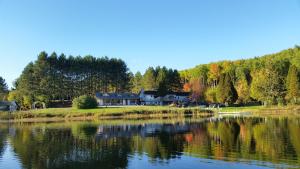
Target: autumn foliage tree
point(197, 89)
point(269, 79)
point(214, 74)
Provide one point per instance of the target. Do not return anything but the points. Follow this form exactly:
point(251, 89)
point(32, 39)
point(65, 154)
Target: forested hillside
point(270, 79)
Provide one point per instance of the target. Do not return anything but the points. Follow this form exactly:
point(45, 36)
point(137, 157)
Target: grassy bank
point(54, 114)
point(261, 109)
point(135, 112)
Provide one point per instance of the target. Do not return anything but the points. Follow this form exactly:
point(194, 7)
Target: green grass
point(240, 109)
point(134, 112)
point(260, 109)
point(109, 112)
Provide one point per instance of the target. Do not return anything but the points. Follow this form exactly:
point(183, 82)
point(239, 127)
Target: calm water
point(171, 144)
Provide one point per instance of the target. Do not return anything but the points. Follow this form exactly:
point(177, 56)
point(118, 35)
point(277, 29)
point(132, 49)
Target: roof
point(4, 106)
point(4, 103)
point(180, 93)
point(130, 96)
point(154, 92)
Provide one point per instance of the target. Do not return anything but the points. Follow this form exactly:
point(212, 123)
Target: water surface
point(243, 142)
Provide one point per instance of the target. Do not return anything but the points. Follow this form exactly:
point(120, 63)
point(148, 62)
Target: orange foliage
point(187, 87)
point(214, 71)
point(188, 137)
point(197, 88)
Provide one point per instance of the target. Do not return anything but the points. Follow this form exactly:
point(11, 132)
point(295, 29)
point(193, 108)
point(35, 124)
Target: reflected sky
point(9, 159)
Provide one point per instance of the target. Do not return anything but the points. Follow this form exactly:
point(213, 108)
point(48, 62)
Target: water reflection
point(271, 142)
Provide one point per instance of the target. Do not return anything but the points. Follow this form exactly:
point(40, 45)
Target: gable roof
point(155, 93)
point(150, 92)
point(4, 103)
point(130, 96)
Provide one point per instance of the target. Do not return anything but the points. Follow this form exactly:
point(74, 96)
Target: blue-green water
point(242, 142)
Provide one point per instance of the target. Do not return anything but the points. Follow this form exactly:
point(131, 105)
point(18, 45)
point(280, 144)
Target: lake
point(216, 142)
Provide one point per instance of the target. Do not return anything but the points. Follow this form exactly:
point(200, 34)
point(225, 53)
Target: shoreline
point(139, 112)
point(70, 114)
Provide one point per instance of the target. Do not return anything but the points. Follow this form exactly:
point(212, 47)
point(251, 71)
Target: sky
point(178, 34)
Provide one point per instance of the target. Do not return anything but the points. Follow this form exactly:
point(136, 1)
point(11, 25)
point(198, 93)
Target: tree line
point(270, 79)
point(53, 77)
point(58, 78)
point(160, 78)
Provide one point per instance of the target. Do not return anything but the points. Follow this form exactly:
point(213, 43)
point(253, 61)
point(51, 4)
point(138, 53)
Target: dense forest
point(270, 79)
point(59, 78)
point(160, 78)
point(64, 78)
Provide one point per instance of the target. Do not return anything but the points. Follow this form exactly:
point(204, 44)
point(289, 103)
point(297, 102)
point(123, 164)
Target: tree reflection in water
point(92, 145)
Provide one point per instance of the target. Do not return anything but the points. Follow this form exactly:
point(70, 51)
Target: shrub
point(85, 102)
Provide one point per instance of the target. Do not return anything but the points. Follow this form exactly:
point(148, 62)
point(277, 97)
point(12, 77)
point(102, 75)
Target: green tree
point(267, 86)
point(162, 81)
point(243, 84)
point(53, 78)
point(137, 82)
point(3, 89)
point(226, 92)
point(211, 95)
point(293, 85)
point(149, 80)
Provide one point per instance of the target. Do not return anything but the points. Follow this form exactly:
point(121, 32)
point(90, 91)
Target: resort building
point(8, 106)
point(152, 98)
point(117, 99)
point(149, 97)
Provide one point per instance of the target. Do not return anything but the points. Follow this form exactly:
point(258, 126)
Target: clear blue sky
point(176, 33)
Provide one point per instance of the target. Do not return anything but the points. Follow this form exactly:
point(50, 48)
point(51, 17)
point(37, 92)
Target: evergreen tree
point(162, 81)
point(149, 80)
point(137, 82)
point(62, 78)
point(3, 88)
point(226, 92)
point(293, 84)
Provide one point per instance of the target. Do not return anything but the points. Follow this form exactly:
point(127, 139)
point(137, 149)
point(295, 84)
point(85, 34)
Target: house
point(152, 98)
point(8, 106)
point(117, 99)
point(149, 97)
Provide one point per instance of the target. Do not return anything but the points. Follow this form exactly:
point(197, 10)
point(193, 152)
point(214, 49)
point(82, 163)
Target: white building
point(151, 97)
point(117, 99)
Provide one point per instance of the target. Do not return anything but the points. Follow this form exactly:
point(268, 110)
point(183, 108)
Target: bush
point(85, 102)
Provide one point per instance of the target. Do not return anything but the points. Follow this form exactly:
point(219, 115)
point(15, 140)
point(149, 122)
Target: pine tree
point(226, 92)
point(137, 82)
point(293, 84)
point(3, 88)
point(149, 79)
